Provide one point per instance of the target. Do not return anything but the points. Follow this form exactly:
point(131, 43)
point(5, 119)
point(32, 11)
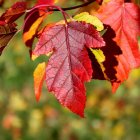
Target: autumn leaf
point(7, 31)
point(69, 66)
point(105, 1)
point(124, 19)
point(13, 13)
point(39, 77)
point(1, 2)
point(7, 25)
point(31, 26)
point(49, 2)
point(99, 1)
point(85, 16)
point(98, 55)
point(105, 70)
point(99, 59)
point(33, 20)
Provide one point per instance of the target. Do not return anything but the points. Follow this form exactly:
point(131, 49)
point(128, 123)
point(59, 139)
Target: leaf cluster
point(99, 43)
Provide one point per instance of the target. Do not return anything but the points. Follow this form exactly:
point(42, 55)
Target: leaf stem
point(63, 13)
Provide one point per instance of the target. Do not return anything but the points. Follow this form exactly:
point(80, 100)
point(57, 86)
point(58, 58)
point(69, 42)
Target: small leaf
point(100, 58)
point(7, 31)
point(99, 55)
point(39, 77)
point(32, 22)
point(69, 66)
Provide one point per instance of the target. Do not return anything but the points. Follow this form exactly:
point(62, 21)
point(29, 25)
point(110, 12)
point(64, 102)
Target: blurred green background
point(107, 116)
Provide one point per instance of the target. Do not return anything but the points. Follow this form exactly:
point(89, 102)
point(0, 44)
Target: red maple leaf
point(69, 66)
point(124, 19)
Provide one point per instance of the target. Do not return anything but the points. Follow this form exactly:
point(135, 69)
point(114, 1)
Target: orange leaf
point(124, 19)
point(39, 77)
point(33, 21)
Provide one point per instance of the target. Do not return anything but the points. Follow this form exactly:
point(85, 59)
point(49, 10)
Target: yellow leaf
point(31, 32)
point(39, 76)
point(100, 57)
point(106, 1)
point(85, 16)
point(56, 1)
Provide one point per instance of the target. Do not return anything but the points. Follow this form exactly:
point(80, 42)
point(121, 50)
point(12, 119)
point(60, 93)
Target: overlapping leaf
point(75, 44)
point(96, 55)
point(39, 77)
point(124, 19)
point(7, 31)
point(13, 13)
point(33, 21)
point(7, 25)
point(69, 66)
point(86, 17)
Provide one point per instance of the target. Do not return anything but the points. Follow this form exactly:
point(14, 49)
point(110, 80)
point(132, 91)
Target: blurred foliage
point(108, 116)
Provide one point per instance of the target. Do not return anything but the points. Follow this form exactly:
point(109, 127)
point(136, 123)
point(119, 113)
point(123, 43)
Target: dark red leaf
point(99, 1)
point(7, 31)
point(13, 13)
point(110, 58)
point(1, 2)
point(69, 66)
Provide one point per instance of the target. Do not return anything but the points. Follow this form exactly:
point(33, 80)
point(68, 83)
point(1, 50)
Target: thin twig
point(75, 7)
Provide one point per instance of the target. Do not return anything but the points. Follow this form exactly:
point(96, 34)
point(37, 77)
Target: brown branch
point(75, 7)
